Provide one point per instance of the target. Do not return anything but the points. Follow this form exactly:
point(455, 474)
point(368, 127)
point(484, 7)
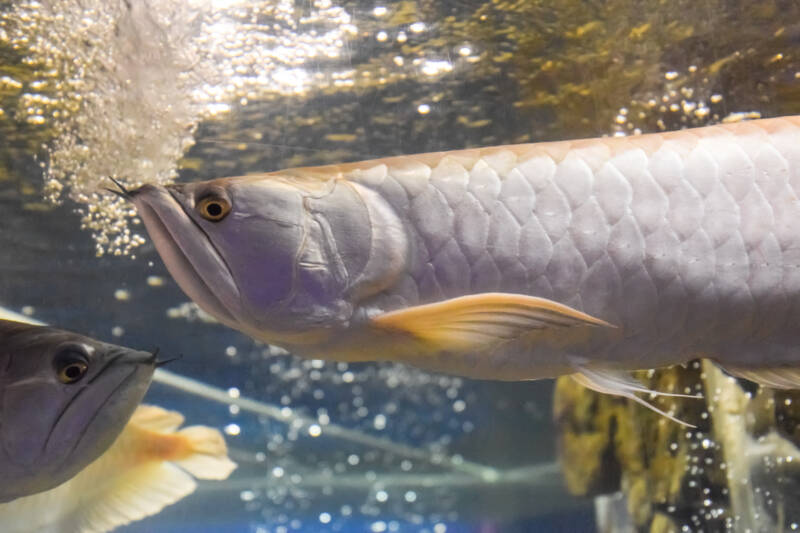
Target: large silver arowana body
point(511, 262)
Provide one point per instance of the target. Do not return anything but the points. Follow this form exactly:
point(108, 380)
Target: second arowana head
point(64, 398)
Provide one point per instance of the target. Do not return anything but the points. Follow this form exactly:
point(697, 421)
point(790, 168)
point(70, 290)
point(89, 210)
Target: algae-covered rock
point(736, 470)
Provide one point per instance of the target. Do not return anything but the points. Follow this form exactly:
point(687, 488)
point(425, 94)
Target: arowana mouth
point(189, 255)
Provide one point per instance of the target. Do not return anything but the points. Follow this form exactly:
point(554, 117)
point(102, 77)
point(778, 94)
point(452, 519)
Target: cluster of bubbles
point(687, 101)
point(124, 84)
point(388, 461)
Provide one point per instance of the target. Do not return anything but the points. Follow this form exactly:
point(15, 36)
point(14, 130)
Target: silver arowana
point(64, 398)
point(513, 262)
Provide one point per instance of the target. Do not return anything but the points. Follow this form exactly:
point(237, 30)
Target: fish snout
point(137, 357)
point(144, 190)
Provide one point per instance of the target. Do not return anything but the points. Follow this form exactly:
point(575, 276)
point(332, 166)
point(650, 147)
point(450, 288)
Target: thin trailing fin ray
point(619, 383)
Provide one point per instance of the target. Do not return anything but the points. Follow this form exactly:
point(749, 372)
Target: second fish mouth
point(170, 246)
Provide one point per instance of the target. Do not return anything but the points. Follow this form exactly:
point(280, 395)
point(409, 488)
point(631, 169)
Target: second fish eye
point(71, 366)
point(213, 208)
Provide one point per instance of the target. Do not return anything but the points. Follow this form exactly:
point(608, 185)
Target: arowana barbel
point(586, 257)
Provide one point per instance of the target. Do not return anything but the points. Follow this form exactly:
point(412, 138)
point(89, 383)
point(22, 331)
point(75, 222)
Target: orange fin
point(156, 419)
point(209, 454)
point(130, 481)
point(481, 320)
point(620, 383)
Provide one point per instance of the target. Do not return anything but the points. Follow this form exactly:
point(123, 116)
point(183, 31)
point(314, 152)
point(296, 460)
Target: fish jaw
point(188, 254)
point(116, 391)
point(85, 418)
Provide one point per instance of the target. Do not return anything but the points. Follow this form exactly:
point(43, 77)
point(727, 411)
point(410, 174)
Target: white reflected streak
point(544, 474)
point(8, 314)
point(304, 422)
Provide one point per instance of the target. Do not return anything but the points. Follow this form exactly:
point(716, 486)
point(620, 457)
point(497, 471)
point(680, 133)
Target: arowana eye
point(71, 367)
point(213, 208)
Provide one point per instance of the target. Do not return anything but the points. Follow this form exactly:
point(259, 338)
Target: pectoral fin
point(620, 383)
point(481, 320)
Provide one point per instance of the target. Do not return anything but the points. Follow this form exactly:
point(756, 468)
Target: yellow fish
point(152, 464)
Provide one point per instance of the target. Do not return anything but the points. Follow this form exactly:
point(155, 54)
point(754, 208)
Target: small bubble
point(379, 11)
point(379, 422)
point(247, 495)
point(315, 430)
point(381, 36)
point(348, 377)
point(233, 429)
point(28, 310)
point(231, 351)
point(122, 295)
point(378, 527)
point(353, 459)
point(117, 331)
point(423, 109)
point(234, 392)
point(671, 75)
point(155, 281)
point(410, 496)
point(439, 528)
point(277, 472)
point(381, 496)
point(324, 518)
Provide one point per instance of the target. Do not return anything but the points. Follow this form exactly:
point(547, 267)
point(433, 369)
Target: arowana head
point(277, 257)
point(64, 398)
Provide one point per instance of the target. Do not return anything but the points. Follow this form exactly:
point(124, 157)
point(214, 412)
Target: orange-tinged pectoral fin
point(478, 321)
